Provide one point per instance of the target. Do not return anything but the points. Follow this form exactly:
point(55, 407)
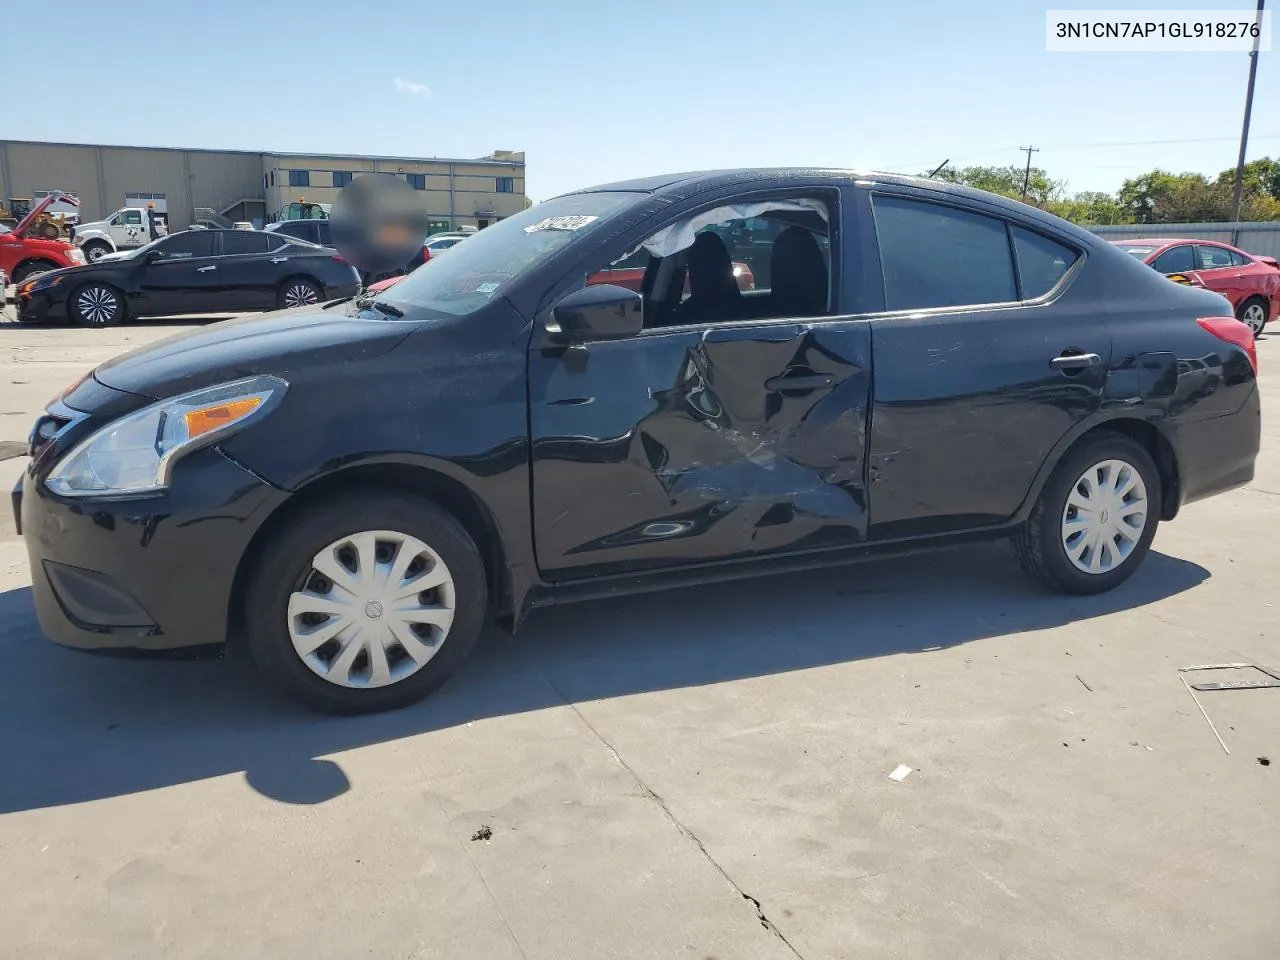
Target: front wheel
point(366, 604)
point(298, 292)
point(1253, 314)
point(1095, 519)
point(97, 305)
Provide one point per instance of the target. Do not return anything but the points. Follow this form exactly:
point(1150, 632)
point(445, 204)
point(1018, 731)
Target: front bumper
point(153, 573)
point(39, 305)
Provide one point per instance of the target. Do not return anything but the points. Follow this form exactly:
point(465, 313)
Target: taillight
point(1232, 330)
point(340, 258)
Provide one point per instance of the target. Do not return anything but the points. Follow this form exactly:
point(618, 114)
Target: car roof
point(677, 186)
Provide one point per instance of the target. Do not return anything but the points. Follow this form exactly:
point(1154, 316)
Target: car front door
point(722, 439)
point(987, 355)
point(128, 231)
point(1180, 258)
point(179, 275)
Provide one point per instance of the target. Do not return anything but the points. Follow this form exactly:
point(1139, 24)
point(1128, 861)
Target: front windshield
point(4, 229)
point(476, 271)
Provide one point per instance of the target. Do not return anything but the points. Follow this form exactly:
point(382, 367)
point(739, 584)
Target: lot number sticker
point(560, 223)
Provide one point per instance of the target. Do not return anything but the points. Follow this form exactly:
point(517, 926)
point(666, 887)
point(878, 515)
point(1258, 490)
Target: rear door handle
point(205, 269)
point(786, 384)
point(1075, 361)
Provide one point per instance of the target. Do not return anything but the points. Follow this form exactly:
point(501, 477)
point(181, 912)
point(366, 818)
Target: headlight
point(135, 453)
point(75, 255)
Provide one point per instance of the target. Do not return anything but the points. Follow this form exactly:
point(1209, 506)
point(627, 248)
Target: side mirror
point(154, 255)
point(600, 312)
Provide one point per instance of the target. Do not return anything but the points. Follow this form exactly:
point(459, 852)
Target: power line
point(1088, 146)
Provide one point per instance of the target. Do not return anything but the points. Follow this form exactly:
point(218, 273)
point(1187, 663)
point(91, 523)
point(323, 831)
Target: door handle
point(786, 384)
point(205, 269)
point(1075, 361)
point(279, 259)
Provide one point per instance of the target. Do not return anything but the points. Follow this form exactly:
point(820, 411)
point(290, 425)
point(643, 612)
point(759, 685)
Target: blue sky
point(596, 92)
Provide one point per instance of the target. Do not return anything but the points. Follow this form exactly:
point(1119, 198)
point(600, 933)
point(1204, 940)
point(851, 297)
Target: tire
point(298, 292)
point(95, 250)
point(32, 268)
point(285, 588)
point(1042, 542)
point(1253, 313)
point(96, 305)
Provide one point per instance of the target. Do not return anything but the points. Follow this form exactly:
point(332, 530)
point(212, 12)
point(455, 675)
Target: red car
point(628, 273)
point(1250, 282)
point(21, 257)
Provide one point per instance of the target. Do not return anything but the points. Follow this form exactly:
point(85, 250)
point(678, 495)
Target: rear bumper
point(148, 574)
point(1218, 454)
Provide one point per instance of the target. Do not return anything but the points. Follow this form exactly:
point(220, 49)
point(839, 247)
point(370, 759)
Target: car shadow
point(79, 727)
point(197, 320)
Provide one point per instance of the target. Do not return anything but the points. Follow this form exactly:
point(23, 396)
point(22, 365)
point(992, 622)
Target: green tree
point(1007, 181)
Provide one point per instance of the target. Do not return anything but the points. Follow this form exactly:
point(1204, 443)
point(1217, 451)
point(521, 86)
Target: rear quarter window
point(1042, 262)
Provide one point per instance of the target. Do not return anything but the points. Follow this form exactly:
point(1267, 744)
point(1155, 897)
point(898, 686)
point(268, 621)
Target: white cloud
point(400, 85)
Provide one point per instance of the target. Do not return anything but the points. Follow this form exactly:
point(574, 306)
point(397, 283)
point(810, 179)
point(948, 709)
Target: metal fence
point(1261, 238)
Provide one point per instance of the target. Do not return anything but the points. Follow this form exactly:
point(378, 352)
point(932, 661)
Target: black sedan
point(197, 271)
point(354, 490)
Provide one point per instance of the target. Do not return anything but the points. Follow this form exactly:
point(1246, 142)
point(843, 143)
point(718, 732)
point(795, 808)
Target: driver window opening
point(752, 261)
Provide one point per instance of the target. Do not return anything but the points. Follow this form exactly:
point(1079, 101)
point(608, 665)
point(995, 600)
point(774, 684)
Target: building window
point(273, 178)
point(417, 180)
point(506, 185)
point(299, 178)
point(341, 178)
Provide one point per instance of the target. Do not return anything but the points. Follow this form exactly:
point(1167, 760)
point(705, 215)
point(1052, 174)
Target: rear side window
point(247, 241)
point(1041, 261)
point(1178, 259)
point(938, 256)
point(1214, 258)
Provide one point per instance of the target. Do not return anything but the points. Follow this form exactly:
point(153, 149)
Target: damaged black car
point(804, 367)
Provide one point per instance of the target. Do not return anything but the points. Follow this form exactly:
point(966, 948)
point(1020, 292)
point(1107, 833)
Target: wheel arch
point(1142, 431)
point(447, 492)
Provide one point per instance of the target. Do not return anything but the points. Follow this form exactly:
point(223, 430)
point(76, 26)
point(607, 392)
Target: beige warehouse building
point(242, 185)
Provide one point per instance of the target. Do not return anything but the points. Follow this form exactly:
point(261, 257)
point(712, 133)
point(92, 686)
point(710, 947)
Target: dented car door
point(708, 443)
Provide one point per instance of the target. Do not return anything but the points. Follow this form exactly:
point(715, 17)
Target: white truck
point(125, 229)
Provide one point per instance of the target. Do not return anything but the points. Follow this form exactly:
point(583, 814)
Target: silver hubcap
point(374, 609)
point(96, 254)
point(97, 304)
point(1105, 516)
point(1255, 316)
point(299, 295)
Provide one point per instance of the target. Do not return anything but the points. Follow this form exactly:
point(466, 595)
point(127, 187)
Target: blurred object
point(242, 225)
point(379, 223)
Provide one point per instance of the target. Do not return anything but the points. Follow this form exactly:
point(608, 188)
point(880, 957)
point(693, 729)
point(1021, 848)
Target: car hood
point(92, 225)
point(283, 343)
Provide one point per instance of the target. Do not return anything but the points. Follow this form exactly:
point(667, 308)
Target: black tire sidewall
point(287, 557)
point(295, 282)
point(73, 306)
point(1054, 497)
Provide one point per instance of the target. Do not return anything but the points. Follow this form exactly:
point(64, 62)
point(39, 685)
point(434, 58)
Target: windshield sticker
point(560, 223)
point(488, 287)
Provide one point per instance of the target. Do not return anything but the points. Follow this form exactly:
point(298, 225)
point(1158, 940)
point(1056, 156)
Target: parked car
point(1250, 282)
point(196, 271)
point(313, 231)
point(356, 489)
point(23, 256)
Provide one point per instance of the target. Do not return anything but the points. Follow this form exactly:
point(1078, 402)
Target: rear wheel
point(366, 604)
point(1253, 313)
point(97, 305)
point(298, 292)
point(1095, 519)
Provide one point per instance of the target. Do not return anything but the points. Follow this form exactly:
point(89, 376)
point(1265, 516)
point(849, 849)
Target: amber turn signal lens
point(200, 422)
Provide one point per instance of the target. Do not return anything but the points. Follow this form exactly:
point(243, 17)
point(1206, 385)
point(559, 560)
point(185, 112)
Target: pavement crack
point(684, 831)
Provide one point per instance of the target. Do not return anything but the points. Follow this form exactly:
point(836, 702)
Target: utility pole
point(1026, 177)
point(1248, 109)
